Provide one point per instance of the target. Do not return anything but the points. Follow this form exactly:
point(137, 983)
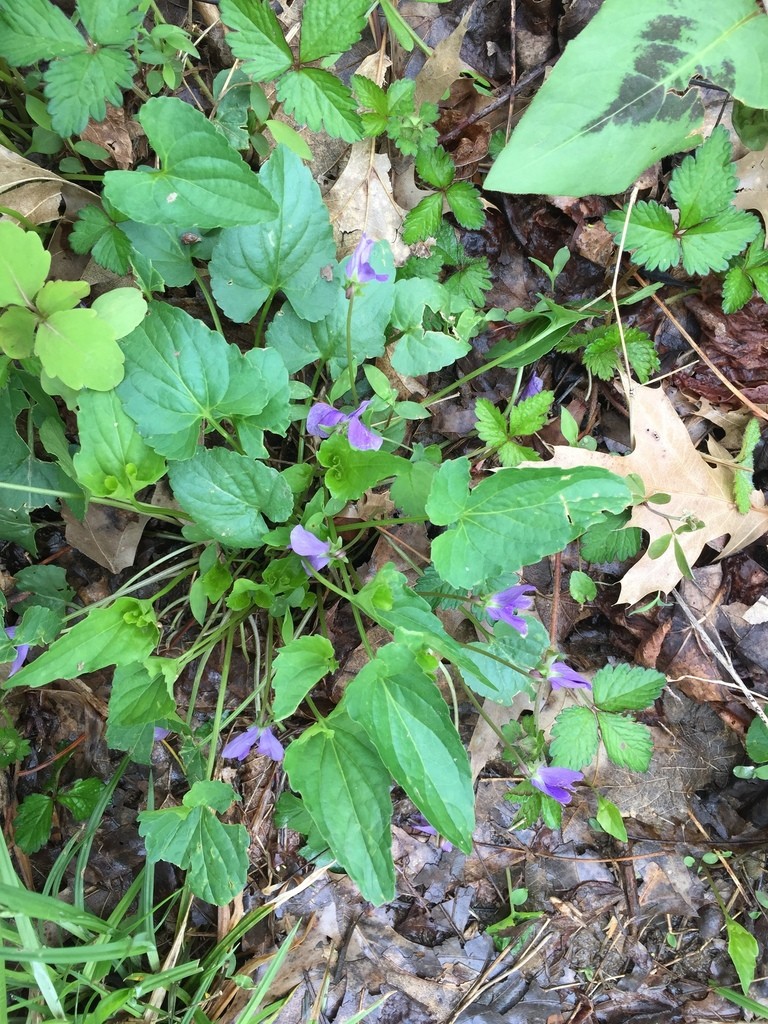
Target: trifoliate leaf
point(574, 738)
point(464, 200)
point(650, 235)
point(471, 281)
point(705, 183)
point(80, 349)
point(628, 744)
point(491, 426)
point(511, 454)
point(202, 180)
point(331, 26)
point(436, 167)
point(423, 221)
point(611, 540)
point(33, 30)
point(626, 687)
point(319, 100)
point(530, 414)
point(370, 95)
point(79, 87)
point(96, 233)
point(710, 245)
point(737, 289)
point(256, 38)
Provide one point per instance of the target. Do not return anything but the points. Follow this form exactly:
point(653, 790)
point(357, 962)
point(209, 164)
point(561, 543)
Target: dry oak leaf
point(667, 462)
point(752, 171)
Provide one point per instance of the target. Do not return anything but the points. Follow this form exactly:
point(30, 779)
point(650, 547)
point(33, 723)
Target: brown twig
point(501, 99)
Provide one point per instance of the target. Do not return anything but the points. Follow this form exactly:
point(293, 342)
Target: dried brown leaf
point(38, 194)
point(752, 171)
point(667, 462)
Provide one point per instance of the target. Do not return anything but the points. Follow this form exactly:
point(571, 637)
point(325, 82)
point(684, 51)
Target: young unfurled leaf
point(435, 166)
point(491, 426)
point(626, 687)
point(610, 820)
point(743, 951)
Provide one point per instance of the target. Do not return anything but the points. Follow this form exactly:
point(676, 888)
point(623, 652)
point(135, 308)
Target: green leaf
point(229, 494)
point(46, 585)
point(345, 788)
point(464, 200)
point(628, 744)
point(114, 461)
point(251, 264)
point(79, 348)
point(491, 426)
point(319, 100)
point(17, 332)
point(424, 220)
point(351, 472)
point(202, 181)
point(142, 694)
point(513, 518)
point(436, 167)
point(574, 738)
point(626, 687)
point(710, 245)
point(297, 667)
point(18, 466)
point(33, 822)
point(81, 797)
point(610, 540)
point(704, 184)
point(530, 414)
point(471, 281)
point(24, 265)
point(610, 820)
point(95, 232)
point(34, 30)
point(256, 38)
point(650, 235)
point(737, 289)
point(596, 124)
point(370, 95)
point(161, 244)
point(111, 22)
point(56, 296)
point(331, 26)
point(743, 951)
point(79, 87)
point(751, 125)
point(192, 837)
point(582, 588)
point(419, 352)
point(395, 699)
point(501, 668)
point(122, 633)
point(757, 741)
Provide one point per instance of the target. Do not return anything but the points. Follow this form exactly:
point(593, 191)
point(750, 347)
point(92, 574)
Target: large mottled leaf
point(513, 518)
point(396, 700)
point(202, 179)
point(251, 264)
point(345, 787)
point(617, 101)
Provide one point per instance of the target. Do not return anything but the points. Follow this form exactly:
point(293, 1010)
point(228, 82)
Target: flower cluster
point(323, 418)
point(261, 737)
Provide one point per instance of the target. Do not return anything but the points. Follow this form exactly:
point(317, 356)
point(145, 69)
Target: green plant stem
point(258, 336)
point(350, 357)
point(209, 302)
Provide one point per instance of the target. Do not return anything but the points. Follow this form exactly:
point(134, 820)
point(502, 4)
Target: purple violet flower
point(323, 418)
point(507, 604)
point(161, 733)
point(359, 269)
point(556, 782)
point(420, 824)
point(263, 739)
point(562, 677)
point(310, 547)
point(21, 652)
point(533, 387)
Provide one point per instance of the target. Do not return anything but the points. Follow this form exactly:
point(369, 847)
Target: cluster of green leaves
point(603, 351)
point(88, 64)
point(707, 231)
point(436, 167)
point(498, 430)
point(393, 112)
point(34, 819)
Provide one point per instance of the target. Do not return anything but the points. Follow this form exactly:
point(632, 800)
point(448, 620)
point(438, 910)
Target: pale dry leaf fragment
point(445, 65)
point(115, 134)
point(108, 536)
point(38, 194)
point(752, 172)
point(362, 200)
point(667, 462)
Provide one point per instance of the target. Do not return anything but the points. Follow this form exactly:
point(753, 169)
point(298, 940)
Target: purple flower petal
point(360, 437)
point(240, 747)
point(161, 733)
point(21, 652)
point(533, 387)
point(420, 824)
point(556, 782)
point(307, 545)
point(270, 746)
point(562, 676)
point(322, 419)
point(507, 604)
point(359, 269)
